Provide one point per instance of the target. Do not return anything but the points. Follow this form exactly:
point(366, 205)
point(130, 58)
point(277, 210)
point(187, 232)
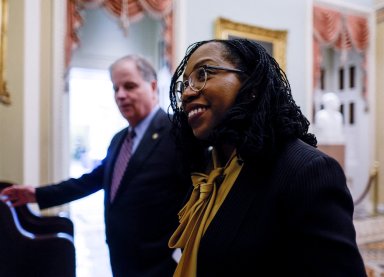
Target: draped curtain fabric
point(74, 21)
point(127, 11)
point(340, 31)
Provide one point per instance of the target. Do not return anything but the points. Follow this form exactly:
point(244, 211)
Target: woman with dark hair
point(265, 201)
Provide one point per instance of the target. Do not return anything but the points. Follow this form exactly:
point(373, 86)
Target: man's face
point(134, 96)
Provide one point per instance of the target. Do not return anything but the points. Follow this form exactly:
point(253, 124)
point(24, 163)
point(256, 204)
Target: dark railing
point(33, 245)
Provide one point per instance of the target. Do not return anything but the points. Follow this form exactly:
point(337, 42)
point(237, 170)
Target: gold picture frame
point(274, 41)
point(4, 94)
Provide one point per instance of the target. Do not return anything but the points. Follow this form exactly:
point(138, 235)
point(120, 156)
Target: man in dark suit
point(142, 214)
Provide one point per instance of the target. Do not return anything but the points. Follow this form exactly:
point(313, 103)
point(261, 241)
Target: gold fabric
point(199, 211)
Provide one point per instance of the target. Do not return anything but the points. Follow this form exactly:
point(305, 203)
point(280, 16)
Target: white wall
point(291, 15)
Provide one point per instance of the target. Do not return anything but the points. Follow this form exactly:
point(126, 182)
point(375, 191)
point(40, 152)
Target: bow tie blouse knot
point(205, 183)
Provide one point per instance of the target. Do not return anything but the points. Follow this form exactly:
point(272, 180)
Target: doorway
point(94, 119)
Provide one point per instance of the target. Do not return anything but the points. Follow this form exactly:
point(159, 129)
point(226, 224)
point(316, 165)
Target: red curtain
point(74, 21)
point(338, 30)
point(341, 31)
point(127, 10)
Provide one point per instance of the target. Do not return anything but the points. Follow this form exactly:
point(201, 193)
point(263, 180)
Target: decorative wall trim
point(380, 15)
point(276, 39)
point(60, 128)
point(5, 97)
point(31, 92)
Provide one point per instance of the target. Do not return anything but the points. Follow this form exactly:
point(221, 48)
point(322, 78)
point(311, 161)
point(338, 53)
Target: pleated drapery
point(341, 31)
point(127, 11)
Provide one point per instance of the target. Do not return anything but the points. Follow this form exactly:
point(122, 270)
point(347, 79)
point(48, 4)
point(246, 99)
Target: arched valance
point(340, 31)
point(127, 11)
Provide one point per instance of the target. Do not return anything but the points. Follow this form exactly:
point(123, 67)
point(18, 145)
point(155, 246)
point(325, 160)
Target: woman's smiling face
point(207, 108)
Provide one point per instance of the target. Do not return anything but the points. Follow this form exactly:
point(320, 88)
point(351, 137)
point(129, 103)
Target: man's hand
point(19, 195)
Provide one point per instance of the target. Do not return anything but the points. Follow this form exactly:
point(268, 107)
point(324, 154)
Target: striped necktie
point(121, 163)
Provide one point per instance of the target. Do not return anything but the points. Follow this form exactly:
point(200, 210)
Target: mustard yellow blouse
point(199, 211)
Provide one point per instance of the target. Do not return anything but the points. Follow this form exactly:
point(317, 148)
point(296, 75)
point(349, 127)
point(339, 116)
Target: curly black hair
point(263, 117)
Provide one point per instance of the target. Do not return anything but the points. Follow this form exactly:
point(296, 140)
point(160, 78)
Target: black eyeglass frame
point(185, 84)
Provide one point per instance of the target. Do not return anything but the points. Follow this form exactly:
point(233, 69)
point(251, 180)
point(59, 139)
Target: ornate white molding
point(180, 36)
point(32, 64)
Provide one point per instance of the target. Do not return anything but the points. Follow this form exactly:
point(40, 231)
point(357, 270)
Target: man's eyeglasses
point(198, 78)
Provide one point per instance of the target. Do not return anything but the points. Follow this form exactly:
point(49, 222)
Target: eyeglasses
point(198, 78)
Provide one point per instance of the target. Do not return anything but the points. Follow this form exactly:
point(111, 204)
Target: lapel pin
point(155, 136)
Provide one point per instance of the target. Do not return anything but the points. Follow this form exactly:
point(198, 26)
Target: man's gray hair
point(143, 65)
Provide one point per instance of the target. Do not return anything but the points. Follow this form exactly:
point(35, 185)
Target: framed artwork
point(4, 94)
point(274, 41)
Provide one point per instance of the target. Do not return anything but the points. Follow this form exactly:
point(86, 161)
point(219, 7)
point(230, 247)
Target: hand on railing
point(19, 195)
